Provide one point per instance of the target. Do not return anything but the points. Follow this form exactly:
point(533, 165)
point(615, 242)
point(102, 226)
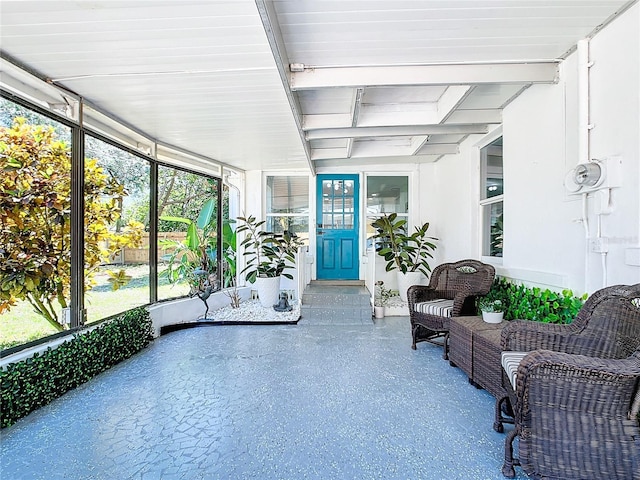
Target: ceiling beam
point(387, 161)
point(451, 98)
point(357, 103)
point(271, 26)
point(379, 151)
point(486, 115)
point(399, 131)
point(467, 74)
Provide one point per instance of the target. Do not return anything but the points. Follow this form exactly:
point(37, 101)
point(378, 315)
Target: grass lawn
point(22, 324)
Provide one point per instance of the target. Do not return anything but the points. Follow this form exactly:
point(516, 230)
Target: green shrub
point(36, 381)
point(532, 303)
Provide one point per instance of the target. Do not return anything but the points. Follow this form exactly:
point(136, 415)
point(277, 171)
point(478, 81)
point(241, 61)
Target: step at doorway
point(336, 302)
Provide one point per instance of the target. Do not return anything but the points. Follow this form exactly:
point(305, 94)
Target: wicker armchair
point(576, 395)
point(451, 292)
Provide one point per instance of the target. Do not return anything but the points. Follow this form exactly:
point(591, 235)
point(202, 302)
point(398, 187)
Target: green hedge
point(532, 303)
point(36, 381)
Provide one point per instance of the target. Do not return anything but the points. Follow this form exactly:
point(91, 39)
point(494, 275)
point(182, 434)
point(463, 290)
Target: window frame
point(170, 157)
point(484, 221)
point(367, 239)
point(268, 215)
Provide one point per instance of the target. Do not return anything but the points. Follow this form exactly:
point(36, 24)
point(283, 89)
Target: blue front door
point(337, 227)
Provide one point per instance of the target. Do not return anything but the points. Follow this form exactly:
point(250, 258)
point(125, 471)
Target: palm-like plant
point(194, 259)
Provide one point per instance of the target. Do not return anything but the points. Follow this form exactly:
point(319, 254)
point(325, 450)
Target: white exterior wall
point(615, 111)
point(449, 191)
point(544, 238)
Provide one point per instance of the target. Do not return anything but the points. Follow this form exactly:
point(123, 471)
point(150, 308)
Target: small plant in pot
point(381, 299)
point(492, 308)
point(408, 254)
point(267, 255)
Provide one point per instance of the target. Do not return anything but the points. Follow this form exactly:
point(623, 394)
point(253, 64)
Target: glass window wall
point(116, 240)
point(187, 232)
point(35, 240)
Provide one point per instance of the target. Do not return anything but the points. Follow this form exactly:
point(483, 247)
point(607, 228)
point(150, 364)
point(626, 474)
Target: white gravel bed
point(252, 311)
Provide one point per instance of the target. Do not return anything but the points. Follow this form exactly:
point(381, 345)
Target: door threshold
point(339, 283)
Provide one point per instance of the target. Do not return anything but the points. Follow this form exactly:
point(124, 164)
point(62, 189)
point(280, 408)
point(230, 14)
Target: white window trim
point(483, 142)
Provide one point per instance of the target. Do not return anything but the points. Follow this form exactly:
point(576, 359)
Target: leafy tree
point(35, 230)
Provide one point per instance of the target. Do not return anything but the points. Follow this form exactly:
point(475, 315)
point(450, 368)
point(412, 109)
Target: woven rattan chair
point(576, 395)
point(451, 292)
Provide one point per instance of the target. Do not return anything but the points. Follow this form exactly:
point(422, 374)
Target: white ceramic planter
point(405, 280)
point(378, 312)
point(268, 290)
point(492, 317)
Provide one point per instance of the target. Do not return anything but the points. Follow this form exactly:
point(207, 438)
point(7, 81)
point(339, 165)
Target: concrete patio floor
point(266, 402)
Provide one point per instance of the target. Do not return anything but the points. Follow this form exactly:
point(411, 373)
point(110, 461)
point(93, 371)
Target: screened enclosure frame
point(79, 131)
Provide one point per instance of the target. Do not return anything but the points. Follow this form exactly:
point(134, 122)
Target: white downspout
point(584, 128)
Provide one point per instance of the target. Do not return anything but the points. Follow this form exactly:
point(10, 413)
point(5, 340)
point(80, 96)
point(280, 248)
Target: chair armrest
point(459, 300)
point(527, 335)
point(576, 383)
point(420, 293)
point(424, 293)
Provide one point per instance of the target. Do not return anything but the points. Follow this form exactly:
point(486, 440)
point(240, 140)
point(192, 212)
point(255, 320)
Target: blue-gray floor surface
point(266, 402)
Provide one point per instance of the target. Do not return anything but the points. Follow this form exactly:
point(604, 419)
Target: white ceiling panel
point(395, 95)
point(199, 75)
point(490, 96)
point(333, 100)
point(375, 80)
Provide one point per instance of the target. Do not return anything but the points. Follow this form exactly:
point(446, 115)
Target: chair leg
point(413, 337)
point(507, 468)
point(445, 345)
point(502, 405)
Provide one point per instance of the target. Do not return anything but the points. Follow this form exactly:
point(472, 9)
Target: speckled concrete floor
point(266, 402)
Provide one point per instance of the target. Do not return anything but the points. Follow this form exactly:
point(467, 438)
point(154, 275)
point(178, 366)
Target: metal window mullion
point(153, 232)
point(219, 233)
point(77, 227)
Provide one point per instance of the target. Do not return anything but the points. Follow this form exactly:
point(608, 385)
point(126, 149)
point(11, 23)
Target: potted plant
point(381, 299)
point(408, 254)
point(267, 255)
point(492, 308)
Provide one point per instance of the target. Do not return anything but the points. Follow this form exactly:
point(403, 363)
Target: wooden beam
point(459, 74)
point(397, 131)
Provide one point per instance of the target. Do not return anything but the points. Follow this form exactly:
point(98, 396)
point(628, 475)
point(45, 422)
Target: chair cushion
point(510, 363)
point(440, 307)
